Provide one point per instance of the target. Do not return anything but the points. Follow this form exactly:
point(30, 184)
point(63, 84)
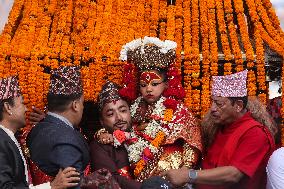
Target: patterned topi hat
point(9, 87)
point(233, 85)
point(109, 93)
point(66, 80)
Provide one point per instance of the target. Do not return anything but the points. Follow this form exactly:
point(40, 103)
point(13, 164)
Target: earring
point(10, 113)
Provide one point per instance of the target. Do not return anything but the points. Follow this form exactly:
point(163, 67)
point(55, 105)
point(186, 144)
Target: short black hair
point(59, 103)
point(235, 99)
point(10, 101)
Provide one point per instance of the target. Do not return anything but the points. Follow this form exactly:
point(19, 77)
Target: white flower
point(134, 106)
point(153, 40)
point(123, 55)
point(129, 46)
point(136, 149)
point(168, 45)
point(134, 44)
point(164, 46)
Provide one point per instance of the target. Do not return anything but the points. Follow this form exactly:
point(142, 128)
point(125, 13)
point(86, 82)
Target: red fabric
point(175, 89)
point(125, 171)
point(246, 145)
point(38, 176)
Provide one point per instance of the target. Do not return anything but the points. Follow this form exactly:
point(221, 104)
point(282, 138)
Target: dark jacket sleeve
point(7, 172)
point(101, 158)
point(67, 155)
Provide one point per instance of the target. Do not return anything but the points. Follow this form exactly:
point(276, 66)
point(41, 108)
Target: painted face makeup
point(152, 86)
point(149, 77)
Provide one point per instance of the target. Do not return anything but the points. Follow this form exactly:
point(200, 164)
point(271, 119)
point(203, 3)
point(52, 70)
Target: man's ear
point(240, 105)
point(7, 108)
point(75, 105)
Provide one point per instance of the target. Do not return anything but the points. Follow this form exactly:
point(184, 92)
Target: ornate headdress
point(149, 53)
point(145, 54)
point(9, 87)
point(108, 94)
point(233, 85)
point(66, 80)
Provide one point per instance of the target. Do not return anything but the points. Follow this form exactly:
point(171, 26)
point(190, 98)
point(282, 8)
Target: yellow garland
point(243, 25)
point(187, 51)
point(178, 32)
point(205, 96)
point(213, 37)
point(171, 22)
point(195, 45)
point(168, 115)
point(154, 18)
point(52, 33)
point(233, 36)
point(268, 25)
point(223, 31)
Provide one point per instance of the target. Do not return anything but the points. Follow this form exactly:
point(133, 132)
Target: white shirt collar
point(65, 120)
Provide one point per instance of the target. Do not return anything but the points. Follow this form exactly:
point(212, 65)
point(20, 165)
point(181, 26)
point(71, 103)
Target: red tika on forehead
point(9, 87)
point(147, 77)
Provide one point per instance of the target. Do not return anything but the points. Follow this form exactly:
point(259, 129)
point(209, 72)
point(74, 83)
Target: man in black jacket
point(55, 142)
point(13, 166)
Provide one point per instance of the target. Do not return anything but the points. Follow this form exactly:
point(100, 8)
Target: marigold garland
point(233, 36)
point(223, 31)
point(168, 115)
point(267, 24)
point(46, 34)
point(156, 142)
point(213, 37)
point(205, 96)
point(171, 22)
point(187, 51)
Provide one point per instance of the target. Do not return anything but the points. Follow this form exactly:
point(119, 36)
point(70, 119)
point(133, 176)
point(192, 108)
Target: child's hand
point(105, 138)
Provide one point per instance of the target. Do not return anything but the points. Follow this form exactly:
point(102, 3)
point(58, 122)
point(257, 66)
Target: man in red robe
point(241, 146)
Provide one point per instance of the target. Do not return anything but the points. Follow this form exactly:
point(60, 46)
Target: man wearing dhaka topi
point(13, 165)
point(239, 151)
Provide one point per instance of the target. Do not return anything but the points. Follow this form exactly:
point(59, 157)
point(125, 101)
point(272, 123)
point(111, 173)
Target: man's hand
point(69, 177)
point(36, 116)
point(178, 177)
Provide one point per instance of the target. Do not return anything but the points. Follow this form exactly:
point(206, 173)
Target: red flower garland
point(129, 91)
point(171, 104)
point(175, 88)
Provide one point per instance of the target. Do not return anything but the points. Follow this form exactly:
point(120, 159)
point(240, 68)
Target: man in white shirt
point(275, 170)
point(13, 166)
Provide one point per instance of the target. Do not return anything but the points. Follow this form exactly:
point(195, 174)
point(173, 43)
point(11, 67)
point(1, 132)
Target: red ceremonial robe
point(246, 145)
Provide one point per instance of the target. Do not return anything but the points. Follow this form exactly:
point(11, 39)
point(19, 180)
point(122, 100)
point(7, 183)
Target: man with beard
point(114, 115)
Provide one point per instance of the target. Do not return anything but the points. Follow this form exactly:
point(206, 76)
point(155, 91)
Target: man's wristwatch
point(192, 175)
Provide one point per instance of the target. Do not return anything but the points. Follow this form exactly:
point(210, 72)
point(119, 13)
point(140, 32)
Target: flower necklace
point(149, 140)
